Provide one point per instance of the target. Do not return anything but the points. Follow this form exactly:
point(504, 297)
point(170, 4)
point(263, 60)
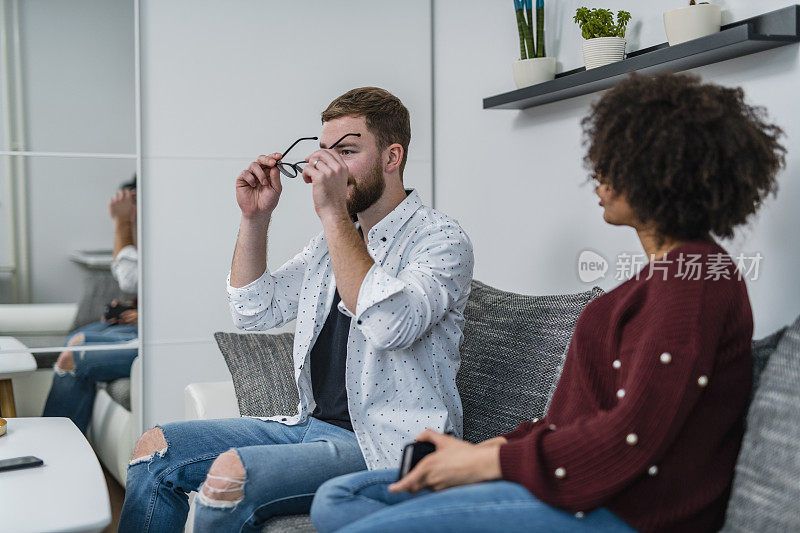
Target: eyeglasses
point(291, 170)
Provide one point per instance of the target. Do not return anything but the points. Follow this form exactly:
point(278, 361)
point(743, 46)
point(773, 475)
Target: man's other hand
point(329, 175)
point(258, 187)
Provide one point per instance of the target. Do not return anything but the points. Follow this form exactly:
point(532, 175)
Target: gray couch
point(512, 355)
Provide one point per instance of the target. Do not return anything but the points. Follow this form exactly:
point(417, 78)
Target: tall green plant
point(540, 28)
point(600, 22)
point(528, 46)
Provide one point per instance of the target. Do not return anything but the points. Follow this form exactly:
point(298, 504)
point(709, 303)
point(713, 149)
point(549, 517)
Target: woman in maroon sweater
point(645, 425)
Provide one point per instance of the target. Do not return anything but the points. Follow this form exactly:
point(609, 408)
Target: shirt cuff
point(127, 252)
point(262, 283)
point(376, 287)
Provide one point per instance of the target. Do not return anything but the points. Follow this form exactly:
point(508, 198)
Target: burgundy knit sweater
point(648, 415)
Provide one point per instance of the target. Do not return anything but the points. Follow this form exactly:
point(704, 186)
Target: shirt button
point(666, 358)
point(702, 381)
point(616, 364)
point(652, 471)
point(383, 239)
point(621, 393)
point(632, 439)
point(579, 515)
point(560, 472)
point(358, 322)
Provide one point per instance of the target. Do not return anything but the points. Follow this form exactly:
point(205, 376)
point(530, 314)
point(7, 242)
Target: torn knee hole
point(223, 489)
point(150, 444)
point(224, 484)
point(65, 362)
point(80, 338)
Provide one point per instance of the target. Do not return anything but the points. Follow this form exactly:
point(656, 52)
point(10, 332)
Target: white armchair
point(204, 401)
point(113, 430)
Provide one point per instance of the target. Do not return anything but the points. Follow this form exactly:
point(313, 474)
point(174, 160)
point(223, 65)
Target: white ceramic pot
point(532, 71)
point(602, 51)
point(692, 22)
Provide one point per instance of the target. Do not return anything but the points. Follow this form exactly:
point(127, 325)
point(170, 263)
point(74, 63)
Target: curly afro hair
point(692, 159)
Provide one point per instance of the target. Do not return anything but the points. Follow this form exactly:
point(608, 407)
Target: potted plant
point(604, 41)
point(692, 22)
point(533, 67)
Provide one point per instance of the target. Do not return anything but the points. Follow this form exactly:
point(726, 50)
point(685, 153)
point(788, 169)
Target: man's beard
point(366, 193)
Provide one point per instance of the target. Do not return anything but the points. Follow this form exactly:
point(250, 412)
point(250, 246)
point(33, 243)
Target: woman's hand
point(455, 462)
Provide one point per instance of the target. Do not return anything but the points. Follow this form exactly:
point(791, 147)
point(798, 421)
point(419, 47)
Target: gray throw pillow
point(99, 288)
point(762, 350)
point(512, 356)
point(262, 370)
point(766, 488)
point(120, 391)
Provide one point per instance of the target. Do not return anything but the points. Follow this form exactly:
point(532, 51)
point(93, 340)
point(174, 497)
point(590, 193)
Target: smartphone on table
point(15, 463)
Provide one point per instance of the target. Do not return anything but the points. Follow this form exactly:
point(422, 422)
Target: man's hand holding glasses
point(258, 187)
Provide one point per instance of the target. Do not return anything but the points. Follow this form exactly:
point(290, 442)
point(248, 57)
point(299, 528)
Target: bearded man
point(378, 297)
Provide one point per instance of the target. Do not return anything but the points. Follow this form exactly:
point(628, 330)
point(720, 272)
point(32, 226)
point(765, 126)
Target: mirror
point(67, 143)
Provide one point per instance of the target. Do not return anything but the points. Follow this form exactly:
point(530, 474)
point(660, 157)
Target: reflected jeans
point(72, 392)
point(283, 466)
point(361, 502)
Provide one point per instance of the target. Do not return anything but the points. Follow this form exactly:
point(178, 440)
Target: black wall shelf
point(770, 30)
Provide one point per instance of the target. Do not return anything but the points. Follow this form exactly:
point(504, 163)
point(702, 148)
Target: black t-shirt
point(328, 357)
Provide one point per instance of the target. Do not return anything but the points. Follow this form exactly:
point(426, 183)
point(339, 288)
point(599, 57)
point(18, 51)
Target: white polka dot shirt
point(125, 270)
point(403, 346)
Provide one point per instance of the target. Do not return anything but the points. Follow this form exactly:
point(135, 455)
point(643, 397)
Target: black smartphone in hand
point(16, 463)
point(412, 454)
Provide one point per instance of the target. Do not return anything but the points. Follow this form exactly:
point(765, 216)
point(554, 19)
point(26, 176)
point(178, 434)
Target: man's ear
point(395, 158)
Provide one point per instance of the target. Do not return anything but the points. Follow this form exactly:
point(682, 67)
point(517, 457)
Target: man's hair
point(386, 116)
point(692, 158)
point(131, 184)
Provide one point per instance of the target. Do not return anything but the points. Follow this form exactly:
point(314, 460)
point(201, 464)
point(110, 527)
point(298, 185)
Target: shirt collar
point(389, 225)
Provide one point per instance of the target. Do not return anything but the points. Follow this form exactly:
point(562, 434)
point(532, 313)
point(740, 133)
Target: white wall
point(514, 179)
point(221, 84)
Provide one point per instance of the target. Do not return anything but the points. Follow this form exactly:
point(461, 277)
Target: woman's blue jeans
point(283, 466)
point(72, 392)
point(361, 502)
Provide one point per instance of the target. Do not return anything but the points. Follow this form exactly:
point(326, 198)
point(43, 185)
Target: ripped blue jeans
point(283, 466)
point(72, 392)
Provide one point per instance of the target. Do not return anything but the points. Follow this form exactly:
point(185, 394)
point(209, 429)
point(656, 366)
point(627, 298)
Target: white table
point(67, 494)
point(15, 359)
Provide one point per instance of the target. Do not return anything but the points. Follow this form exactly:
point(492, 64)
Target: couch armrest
point(37, 319)
point(204, 401)
point(136, 389)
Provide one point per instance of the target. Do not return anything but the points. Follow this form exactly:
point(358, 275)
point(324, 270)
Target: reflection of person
point(379, 308)
point(122, 208)
point(645, 424)
point(76, 371)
